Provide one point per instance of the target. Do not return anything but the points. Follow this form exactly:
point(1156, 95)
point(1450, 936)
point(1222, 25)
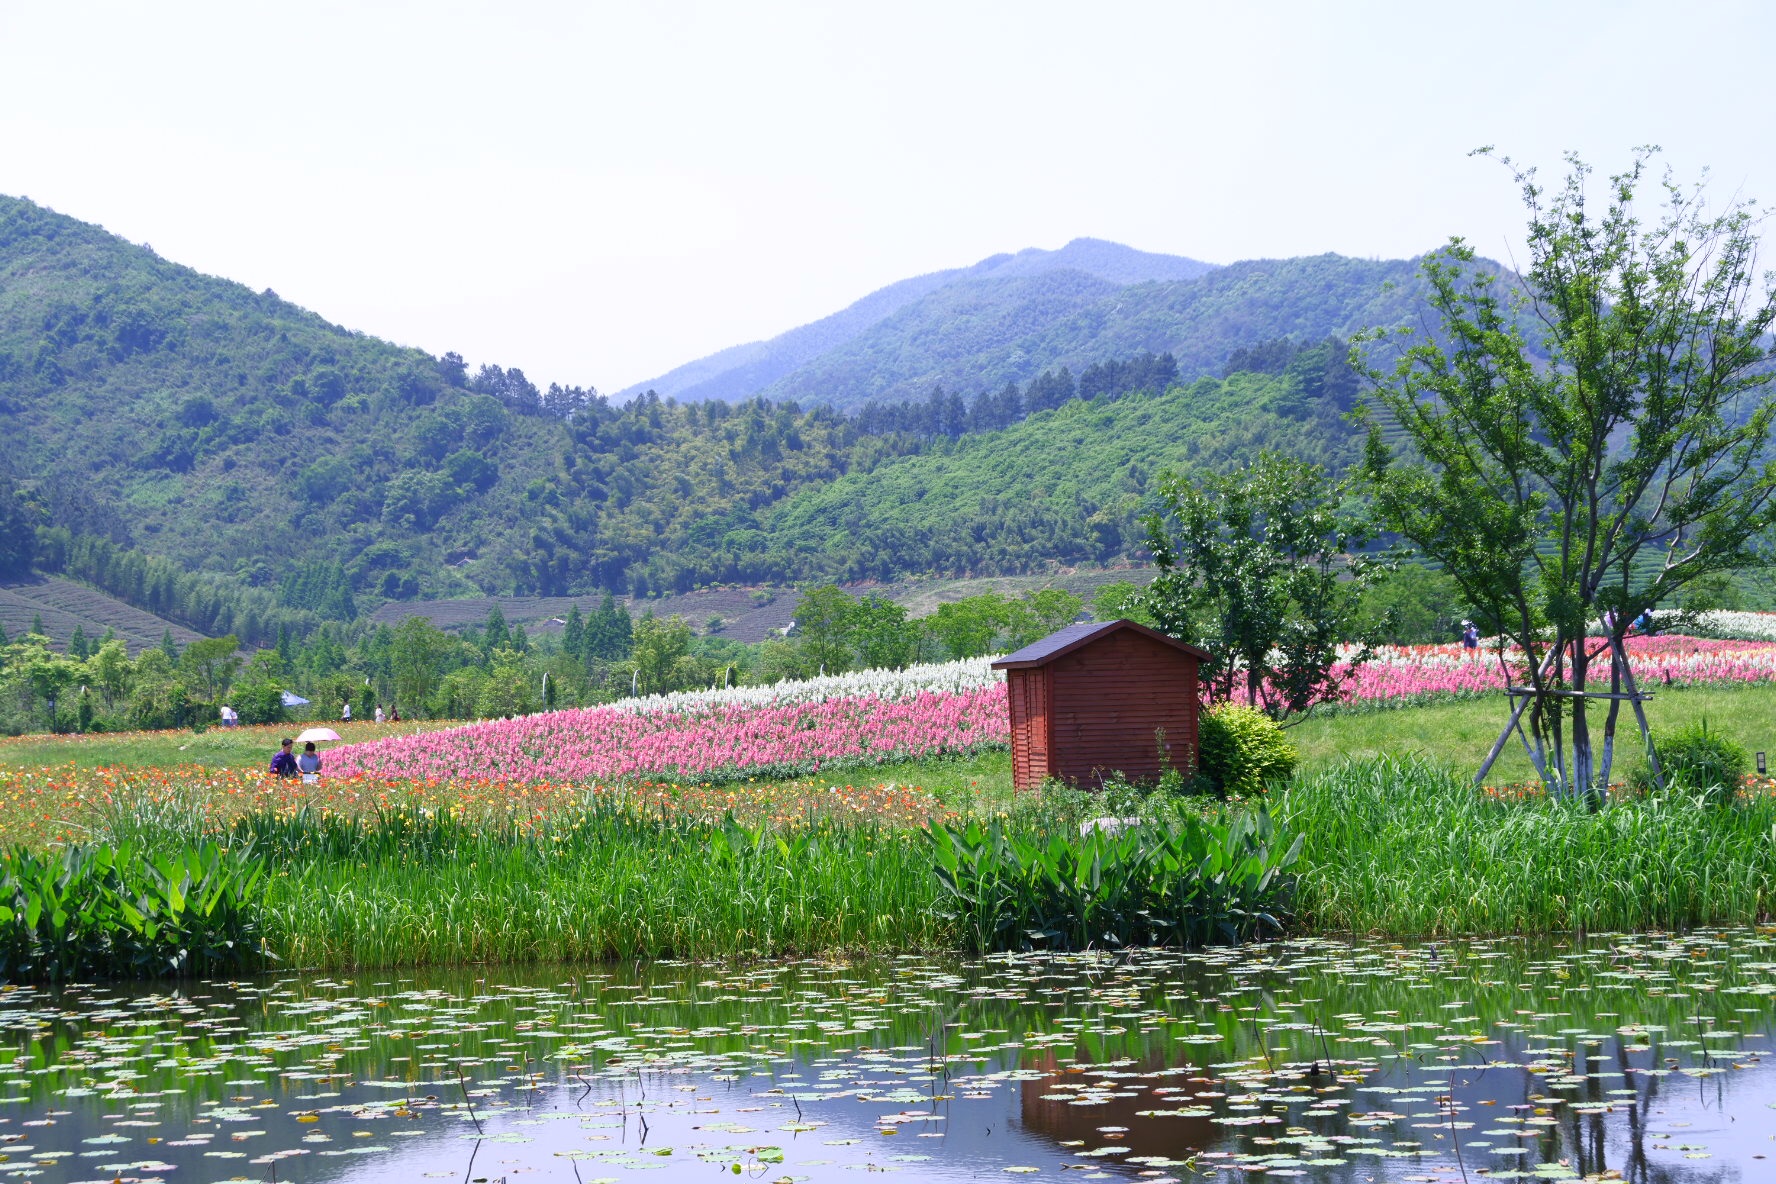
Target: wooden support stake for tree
point(1646, 733)
point(1514, 724)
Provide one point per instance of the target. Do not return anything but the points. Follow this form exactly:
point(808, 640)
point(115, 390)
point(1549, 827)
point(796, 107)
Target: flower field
point(1403, 676)
point(717, 739)
point(65, 804)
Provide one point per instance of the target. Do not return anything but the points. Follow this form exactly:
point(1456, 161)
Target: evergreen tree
point(573, 635)
point(496, 635)
point(520, 639)
point(286, 648)
point(168, 646)
point(37, 625)
point(78, 647)
point(610, 634)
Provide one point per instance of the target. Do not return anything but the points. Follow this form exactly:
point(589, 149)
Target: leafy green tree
point(417, 655)
point(1120, 600)
point(1260, 567)
point(212, 664)
point(158, 697)
point(1541, 487)
point(112, 672)
point(256, 696)
point(661, 660)
point(507, 690)
point(968, 627)
point(823, 624)
point(79, 648)
point(881, 635)
point(39, 673)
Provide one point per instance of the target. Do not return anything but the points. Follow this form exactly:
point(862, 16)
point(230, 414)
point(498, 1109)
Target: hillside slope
point(63, 606)
point(232, 431)
point(744, 370)
point(982, 336)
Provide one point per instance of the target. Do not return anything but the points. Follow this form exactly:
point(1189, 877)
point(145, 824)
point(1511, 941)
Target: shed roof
point(1065, 641)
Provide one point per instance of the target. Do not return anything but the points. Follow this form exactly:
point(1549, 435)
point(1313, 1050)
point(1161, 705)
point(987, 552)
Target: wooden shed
point(1090, 699)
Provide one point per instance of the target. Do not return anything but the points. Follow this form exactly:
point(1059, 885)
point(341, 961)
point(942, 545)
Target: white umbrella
point(317, 734)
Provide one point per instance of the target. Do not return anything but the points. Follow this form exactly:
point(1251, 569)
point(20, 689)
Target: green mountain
point(979, 329)
point(744, 370)
point(231, 462)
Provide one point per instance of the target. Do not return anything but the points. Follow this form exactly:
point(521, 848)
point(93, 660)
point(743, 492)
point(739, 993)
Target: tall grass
point(607, 884)
point(1408, 847)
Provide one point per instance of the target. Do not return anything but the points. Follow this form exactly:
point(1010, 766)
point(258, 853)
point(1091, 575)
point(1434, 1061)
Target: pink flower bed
point(605, 743)
point(1410, 674)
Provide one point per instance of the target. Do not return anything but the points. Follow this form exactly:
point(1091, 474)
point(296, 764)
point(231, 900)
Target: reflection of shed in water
point(1117, 1095)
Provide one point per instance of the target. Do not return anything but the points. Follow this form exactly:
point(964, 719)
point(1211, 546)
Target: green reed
point(1188, 880)
point(404, 888)
point(103, 911)
point(1407, 847)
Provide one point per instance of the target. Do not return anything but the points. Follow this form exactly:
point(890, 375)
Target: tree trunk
point(1583, 781)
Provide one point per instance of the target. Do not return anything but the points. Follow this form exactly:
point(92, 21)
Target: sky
point(597, 192)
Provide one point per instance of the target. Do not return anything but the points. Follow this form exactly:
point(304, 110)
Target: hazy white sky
point(599, 192)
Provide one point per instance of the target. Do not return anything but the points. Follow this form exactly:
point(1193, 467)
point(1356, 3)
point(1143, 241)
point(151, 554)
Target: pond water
point(1637, 1057)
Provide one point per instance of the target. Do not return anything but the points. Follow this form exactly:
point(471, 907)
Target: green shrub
point(1242, 750)
point(1699, 759)
point(103, 911)
point(1187, 881)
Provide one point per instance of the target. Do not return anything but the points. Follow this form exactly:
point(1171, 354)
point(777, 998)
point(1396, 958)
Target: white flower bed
point(1730, 625)
point(944, 677)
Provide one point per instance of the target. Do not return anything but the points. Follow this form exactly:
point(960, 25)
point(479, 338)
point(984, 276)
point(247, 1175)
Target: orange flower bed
point(66, 803)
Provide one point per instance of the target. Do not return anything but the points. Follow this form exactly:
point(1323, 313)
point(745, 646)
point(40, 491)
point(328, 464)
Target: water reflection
point(1641, 1058)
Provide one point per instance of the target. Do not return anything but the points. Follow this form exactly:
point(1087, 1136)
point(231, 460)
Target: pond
point(1611, 1056)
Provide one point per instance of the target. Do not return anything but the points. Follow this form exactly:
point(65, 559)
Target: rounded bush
point(1699, 759)
point(1242, 750)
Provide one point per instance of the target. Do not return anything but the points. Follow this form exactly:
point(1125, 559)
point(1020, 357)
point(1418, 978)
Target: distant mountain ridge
point(1010, 318)
point(741, 371)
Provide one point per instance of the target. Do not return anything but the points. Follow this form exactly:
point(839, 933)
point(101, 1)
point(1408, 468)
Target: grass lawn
point(1459, 734)
point(214, 748)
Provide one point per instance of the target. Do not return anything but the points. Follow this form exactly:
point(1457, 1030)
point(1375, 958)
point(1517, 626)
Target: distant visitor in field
point(379, 716)
point(283, 762)
point(345, 716)
point(1470, 639)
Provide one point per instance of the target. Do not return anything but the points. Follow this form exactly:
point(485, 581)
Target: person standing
point(283, 762)
point(1470, 640)
point(345, 716)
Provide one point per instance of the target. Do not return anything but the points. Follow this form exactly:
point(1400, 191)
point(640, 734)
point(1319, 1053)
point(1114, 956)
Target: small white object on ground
point(1110, 826)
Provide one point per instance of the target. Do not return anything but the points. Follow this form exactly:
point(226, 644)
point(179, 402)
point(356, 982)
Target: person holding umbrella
point(309, 763)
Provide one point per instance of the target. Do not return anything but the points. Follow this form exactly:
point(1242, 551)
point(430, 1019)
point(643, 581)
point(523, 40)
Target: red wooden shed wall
point(1106, 699)
point(1031, 723)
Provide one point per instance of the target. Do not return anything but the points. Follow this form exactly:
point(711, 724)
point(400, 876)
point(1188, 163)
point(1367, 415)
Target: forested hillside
point(236, 464)
point(1042, 311)
point(744, 370)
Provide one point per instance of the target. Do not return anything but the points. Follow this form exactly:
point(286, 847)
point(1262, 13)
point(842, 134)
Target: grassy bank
point(1404, 847)
point(1389, 847)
